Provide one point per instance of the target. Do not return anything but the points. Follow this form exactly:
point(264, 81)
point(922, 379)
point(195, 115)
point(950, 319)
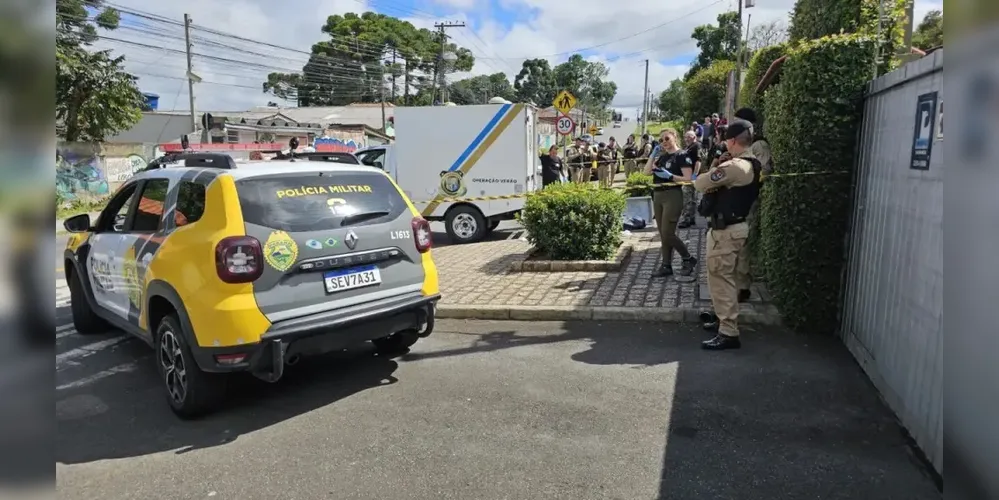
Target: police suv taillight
point(421, 234)
point(239, 259)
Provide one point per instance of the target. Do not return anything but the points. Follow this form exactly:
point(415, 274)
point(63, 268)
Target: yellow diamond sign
point(564, 102)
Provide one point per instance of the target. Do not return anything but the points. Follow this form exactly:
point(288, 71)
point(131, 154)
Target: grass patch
point(67, 209)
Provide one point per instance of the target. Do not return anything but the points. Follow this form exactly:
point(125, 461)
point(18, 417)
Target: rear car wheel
point(397, 342)
point(190, 391)
point(465, 224)
point(85, 320)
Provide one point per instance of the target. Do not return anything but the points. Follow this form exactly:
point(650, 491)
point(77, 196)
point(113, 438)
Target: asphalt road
point(493, 410)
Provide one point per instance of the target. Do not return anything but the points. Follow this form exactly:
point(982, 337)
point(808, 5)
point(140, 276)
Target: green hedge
point(812, 19)
point(814, 115)
point(758, 67)
point(638, 184)
point(705, 91)
point(570, 221)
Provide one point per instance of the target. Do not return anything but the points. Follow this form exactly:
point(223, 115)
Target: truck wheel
point(85, 320)
point(465, 224)
point(190, 391)
point(397, 343)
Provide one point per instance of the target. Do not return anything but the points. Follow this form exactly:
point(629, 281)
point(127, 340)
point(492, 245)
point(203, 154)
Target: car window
point(117, 211)
point(190, 203)
point(152, 203)
point(373, 158)
point(319, 201)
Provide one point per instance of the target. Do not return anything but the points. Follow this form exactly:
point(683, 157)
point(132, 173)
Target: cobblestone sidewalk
point(479, 275)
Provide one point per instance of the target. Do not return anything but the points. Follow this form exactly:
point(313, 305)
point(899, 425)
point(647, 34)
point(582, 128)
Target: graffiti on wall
point(79, 175)
point(336, 144)
point(121, 169)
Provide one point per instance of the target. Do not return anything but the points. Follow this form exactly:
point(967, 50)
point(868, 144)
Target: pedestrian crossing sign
point(564, 102)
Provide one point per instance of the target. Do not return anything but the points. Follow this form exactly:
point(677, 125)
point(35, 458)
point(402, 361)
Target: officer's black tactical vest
point(630, 151)
point(734, 203)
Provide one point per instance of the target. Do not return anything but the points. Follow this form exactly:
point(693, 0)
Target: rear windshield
point(320, 201)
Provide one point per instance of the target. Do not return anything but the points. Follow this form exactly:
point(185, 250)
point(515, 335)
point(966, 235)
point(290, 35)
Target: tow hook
point(428, 321)
point(278, 349)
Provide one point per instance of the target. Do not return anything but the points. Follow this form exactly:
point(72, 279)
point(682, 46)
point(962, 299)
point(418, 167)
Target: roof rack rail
point(208, 160)
point(320, 156)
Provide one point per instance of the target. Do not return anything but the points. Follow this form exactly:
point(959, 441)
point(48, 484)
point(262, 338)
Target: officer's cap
point(747, 114)
point(737, 128)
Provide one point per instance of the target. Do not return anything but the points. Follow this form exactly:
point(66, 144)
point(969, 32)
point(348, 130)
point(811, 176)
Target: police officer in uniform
point(574, 158)
point(761, 151)
point(730, 190)
point(605, 165)
point(644, 151)
point(630, 154)
point(693, 152)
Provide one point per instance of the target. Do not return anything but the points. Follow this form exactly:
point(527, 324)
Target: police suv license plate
point(349, 279)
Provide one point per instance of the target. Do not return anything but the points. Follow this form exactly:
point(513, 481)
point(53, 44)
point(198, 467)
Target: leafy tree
point(95, 97)
point(353, 64)
point(586, 81)
point(536, 82)
point(929, 33)
point(705, 90)
point(716, 43)
point(479, 89)
point(671, 100)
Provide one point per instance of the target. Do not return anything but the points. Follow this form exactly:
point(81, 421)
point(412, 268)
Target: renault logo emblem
point(350, 239)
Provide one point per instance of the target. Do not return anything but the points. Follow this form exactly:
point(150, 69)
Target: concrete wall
point(87, 171)
point(893, 298)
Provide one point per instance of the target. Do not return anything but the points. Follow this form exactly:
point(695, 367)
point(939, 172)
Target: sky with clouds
point(501, 34)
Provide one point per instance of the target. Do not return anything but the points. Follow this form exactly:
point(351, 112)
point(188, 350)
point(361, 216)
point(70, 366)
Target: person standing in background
point(644, 151)
point(605, 160)
point(693, 152)
point(630, 154)
point(707, 132)
point(574, 158)
point(668, 165)
point(552, 168)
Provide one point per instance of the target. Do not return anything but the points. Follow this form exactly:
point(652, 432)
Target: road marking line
point(62, 328)
point(87, 350)
point(65, 334)
point(127, 367)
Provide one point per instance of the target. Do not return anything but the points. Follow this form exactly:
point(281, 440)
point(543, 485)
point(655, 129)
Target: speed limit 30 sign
point(564, 125)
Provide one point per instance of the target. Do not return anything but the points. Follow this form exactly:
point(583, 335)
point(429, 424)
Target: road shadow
point(787, 416)
point(441, 238)
point(128, 416)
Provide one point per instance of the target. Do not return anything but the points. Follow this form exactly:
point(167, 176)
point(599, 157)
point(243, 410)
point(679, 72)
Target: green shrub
point(706, 91)
point(812, 19)
point(814, 114)
point(758, 67)
point(638, 184)
point(570, 221)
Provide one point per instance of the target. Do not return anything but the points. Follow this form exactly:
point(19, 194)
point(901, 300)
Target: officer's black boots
point(721, 342)
point(685, 224)
point(663, 272)
point(709, 321)
point(688, 265)
point(744, 295)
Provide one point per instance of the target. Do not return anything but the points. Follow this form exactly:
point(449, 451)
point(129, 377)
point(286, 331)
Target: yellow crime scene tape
point(664, 184)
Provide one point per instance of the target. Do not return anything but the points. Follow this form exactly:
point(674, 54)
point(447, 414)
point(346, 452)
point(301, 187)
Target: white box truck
point(469, 166)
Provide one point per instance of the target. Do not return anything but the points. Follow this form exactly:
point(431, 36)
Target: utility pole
point(190, 69)
point(381, 87)
point(393, 75)
point(645, 98)
point(405, 85)
point(439, 69)
point(738, 58)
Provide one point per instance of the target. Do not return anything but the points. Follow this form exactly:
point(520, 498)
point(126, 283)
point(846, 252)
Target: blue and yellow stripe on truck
point(470, 156)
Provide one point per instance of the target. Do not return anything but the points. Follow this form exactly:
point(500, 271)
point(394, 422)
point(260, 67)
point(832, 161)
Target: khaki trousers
point(630, 167)
point(725, 251)
point(580, 174)
point(605, 174)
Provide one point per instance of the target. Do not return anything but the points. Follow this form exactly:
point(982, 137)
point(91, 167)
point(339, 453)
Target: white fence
point(893, 298)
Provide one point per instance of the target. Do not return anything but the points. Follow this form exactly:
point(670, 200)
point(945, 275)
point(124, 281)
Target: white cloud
point(551, 30)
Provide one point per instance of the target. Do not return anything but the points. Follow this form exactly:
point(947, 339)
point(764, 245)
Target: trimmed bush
point(570, 221)
point(812, 19)
point(638, 184)
point(814, 115)
point(706, 91)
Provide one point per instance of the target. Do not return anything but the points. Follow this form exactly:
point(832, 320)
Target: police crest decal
point(280, 251)
point(452, 183)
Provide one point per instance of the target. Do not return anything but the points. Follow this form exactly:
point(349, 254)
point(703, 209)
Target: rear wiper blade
point(355, 218)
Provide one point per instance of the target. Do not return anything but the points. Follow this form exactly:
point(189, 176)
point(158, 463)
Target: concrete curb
point(556, 266)
point(594, 313)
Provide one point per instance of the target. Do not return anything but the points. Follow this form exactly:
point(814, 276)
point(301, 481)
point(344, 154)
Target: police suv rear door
point(332, 239)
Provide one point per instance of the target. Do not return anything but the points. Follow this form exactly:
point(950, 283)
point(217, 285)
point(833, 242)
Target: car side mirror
point(77, 223)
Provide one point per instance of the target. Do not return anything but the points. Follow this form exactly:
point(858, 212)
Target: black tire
point(85, 320)
point(465, 224)
point(190, 392)
point(397, 343)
